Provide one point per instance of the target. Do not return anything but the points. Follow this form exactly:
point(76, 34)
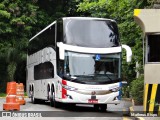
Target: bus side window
point(44, 71)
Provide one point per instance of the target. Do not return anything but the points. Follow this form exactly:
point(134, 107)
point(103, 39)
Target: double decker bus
point(76, 60)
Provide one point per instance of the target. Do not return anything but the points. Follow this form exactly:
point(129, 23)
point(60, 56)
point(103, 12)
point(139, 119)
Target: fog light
point(69, 96)
point(115, 98)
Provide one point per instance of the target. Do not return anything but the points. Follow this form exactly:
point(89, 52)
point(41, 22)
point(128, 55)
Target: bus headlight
point(115, 89)
point(69, 88)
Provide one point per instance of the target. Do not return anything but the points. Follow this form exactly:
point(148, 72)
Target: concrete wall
point(152, 73)
point(148, 19)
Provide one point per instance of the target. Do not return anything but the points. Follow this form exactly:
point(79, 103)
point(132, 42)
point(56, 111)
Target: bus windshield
point(91, 33)
point(92, 68)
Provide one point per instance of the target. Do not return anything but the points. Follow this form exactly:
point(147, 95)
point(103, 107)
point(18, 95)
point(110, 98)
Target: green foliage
point(95, 8)
point(25, 94)
point(19, 21)
point(126, 92)
point(71, 7)
point(11, 70)
point(2, 95)
point(13, 54)
point(137, 89)
point(2, 6)
point(5, 14)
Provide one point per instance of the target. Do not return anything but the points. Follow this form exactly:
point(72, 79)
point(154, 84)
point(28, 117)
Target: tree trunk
point(11, 68)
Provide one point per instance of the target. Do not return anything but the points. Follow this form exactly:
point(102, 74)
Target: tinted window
point(92, 68)
point(91, 33)
point(59, 30)
point(153, 48)
point(43, 71)
point(45, 39)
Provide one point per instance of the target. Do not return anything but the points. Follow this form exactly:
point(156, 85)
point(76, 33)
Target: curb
point(132, 110)
point(2, 97)
point(127, 99)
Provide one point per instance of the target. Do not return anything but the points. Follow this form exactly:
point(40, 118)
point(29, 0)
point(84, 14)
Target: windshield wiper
point(105, 75)
point(73, 78)
point(109, 77)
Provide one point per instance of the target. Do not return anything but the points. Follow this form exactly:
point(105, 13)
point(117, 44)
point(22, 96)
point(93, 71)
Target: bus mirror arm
point(61, 50)
point(129, 52)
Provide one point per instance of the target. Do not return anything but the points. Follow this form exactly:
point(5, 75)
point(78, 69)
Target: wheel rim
point(32, 97)
point(53, 95)
point(48, 93)
point(52, 98)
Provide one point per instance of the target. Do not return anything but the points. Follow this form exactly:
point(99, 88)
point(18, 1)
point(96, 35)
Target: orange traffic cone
point(11, 103)
point(20, 94)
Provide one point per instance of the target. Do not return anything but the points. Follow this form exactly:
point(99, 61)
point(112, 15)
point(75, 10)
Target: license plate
point(92, 101)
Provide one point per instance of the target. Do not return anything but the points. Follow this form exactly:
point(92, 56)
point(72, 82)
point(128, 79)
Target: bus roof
point(65, 18)
point(87, 18)
point(43, 30)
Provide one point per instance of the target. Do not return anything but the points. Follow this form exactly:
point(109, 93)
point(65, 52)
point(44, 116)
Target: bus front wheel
point(52, 97)
point(101, 107)
point(53, 102)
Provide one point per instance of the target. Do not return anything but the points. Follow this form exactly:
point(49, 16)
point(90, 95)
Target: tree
point(13, 54)
point(19, 21)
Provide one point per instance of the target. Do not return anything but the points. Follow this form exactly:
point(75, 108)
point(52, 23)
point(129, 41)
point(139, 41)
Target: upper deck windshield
point(91, 33)
point(91, 68)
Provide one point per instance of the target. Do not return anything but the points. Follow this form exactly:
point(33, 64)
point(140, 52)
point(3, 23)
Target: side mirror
point(124, 83)
point(129, 52)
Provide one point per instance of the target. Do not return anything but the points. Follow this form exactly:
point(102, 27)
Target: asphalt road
point(80, 112)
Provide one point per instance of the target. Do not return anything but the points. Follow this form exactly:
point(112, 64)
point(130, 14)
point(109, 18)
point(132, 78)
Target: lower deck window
point(44, 71)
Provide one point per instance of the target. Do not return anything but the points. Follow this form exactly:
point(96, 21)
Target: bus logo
point(98, 57)
point(93, 93)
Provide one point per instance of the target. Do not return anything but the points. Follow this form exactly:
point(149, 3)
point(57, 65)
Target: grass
point(2, 94)
point(25, 93)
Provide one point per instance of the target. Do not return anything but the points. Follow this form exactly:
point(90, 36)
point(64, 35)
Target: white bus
point(76, 60)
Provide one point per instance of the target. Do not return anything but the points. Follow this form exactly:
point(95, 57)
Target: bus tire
point(33, 99)
point(103, 107)
point(30, 91)
point(57, 104)
point(96, 107)
point(52, 96)
point(48, 91)
point(71, 105)
point(53, 102)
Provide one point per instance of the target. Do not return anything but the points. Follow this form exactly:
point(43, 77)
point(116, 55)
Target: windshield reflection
point(89, 68)
point(91, 33)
